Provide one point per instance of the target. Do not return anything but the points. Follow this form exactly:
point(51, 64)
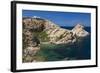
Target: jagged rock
point(55, 33)
point(79, 31)
point(60, 36)
point(37, 30)
point(33, 24)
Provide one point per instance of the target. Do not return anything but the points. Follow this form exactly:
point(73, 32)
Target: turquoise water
point(76, 51)
point(80, 50)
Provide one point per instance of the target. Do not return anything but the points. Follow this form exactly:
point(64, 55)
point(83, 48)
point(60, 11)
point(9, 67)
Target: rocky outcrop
point(33, 24)
point(61, 36)
point(55, 33)
point(37, 30)
point(79, 31)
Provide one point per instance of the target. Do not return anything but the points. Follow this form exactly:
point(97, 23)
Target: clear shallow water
point(80, 50)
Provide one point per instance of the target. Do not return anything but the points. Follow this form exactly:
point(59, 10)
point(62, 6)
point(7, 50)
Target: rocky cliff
point(54, 33)
point(79, 31)
point(37, 30)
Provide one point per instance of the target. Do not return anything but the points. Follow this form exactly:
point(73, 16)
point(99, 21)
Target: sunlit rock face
point(37, 30)
point(55, 33)
point(79, 31)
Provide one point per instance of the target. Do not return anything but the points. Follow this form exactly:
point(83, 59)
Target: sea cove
point(55, 36)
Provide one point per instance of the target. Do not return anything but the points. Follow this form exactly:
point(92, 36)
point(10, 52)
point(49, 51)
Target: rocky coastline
point(37, 30)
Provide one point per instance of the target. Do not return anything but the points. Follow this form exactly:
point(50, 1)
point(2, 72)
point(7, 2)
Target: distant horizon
point(64, 19)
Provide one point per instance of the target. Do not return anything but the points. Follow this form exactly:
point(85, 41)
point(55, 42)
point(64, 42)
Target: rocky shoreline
point(38, 30)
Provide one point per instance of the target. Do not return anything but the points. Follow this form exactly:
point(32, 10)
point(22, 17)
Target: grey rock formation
point(55, 33)
point(79, 31)
point(36, 30)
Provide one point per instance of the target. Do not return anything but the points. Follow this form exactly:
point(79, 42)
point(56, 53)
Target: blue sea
point(80, 50)
point(88, 29)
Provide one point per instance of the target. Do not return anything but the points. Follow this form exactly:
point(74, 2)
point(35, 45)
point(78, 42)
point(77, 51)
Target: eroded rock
point(79, 31)
point(51, 33)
